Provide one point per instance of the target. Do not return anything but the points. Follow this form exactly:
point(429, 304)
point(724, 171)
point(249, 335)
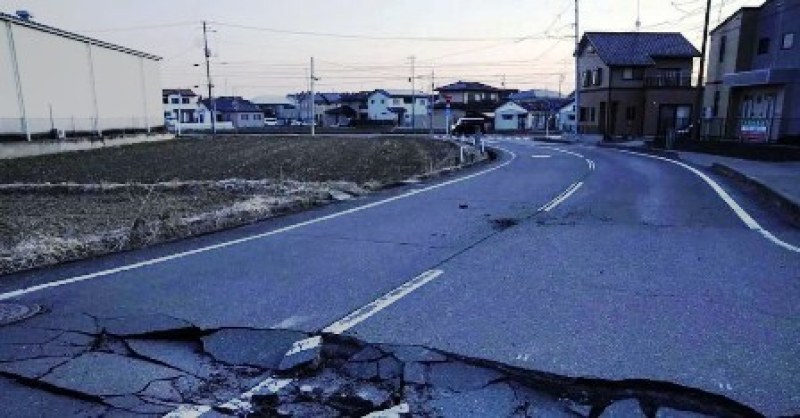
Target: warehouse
point(53, 82)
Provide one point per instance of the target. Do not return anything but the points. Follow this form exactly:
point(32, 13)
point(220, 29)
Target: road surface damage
point(152, 364)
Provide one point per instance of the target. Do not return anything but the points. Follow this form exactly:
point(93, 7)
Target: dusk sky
point(526, 42)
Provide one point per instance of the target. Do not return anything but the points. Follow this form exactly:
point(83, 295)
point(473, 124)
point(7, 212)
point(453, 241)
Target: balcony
point(668, 80)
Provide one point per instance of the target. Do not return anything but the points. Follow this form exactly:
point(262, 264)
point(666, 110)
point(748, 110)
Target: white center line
point(361, 314)
point(541, 156)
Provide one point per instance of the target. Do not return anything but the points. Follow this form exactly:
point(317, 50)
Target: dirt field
point(69, 206)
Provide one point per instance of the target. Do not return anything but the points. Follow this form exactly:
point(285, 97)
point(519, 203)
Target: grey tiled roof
point(467, 86)
point(638, 48)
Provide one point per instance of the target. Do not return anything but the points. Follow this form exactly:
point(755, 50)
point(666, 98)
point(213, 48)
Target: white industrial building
point(51, 79)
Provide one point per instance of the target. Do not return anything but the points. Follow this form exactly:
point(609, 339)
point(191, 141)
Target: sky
point(263, 47)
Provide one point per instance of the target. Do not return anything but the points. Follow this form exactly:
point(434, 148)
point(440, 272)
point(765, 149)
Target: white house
point(511, 117)
point(179, 105)
point(566, 117)
point(401, 106)
point(51, 79)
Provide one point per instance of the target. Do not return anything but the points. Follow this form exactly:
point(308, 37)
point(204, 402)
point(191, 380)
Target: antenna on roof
point(24, 15)
point(638, 15)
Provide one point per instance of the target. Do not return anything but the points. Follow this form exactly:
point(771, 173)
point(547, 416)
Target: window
point(372, 101)
point(256, 117)
point(396, 101)
point(583, 114)
point(508, 117)
point(587, 78)
point(592, 114)
point(383, 101)
point(715, 108)
point(630, 113)
point(406, 100)
point(174, 100)
point(763, 46)
point(598, 77)
point(245, 117)
point(165, 100)
point(722, 44)
point(627, 73)
point(185, 100)
point(788, 41)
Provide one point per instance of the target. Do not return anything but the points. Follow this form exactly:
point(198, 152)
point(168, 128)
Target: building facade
point(180, 105)
point(401, 106)
point(52, 80)
point(635, 83)
point(240, 113)
point(753, 88)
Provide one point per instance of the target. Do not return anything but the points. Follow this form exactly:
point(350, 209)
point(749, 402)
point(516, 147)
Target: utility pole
point(503, 80)
point(430, 104)
point(313, 100)
point(413, 94)
point(577, 77)
point(211, 100)
point(698, 100)
point(560, 80)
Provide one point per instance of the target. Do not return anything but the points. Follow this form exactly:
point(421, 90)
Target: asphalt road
point(640, 271)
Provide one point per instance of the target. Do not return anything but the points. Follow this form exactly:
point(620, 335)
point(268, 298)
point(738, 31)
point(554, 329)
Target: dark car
point(469, 126)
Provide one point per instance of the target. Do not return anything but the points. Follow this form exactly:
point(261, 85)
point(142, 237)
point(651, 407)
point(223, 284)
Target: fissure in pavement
point(150, 364)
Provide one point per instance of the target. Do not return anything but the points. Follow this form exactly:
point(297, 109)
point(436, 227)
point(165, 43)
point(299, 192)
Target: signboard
point(754, 130)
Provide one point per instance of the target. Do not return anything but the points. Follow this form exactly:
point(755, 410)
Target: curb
point(775, 198)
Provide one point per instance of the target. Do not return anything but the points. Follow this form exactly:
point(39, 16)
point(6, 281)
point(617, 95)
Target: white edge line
point(737, 209)
point(76, 279)
point(361, 314)
point(242, 403)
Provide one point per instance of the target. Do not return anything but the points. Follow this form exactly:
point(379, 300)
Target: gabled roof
point(468, 86)
point(400, 93)
point(359, 96)
point(637, 48)
point(231, 105)
point(182, 92)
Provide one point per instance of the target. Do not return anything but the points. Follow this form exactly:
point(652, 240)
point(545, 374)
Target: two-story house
point(239, 112)
point(403, 107)
point(180, 105)
point(635, 83)
point(467, 99)
point(753, 87)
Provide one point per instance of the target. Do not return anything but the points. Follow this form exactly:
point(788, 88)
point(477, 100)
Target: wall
point(378, 110)
point(77, 82)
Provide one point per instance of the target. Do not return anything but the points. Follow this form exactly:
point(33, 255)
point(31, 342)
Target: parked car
point(270, 122)
point(469, 126)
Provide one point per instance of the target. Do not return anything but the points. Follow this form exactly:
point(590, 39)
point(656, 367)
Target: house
point(351, 109)
point(467, 92)
point(566, 117)
point(180, 105)
point(402, 107)
point(241, 113)
point(534, 115)
point(511, 117)
point(281, 109)
point(54, 81)
point(753, 85)
point(322, 103)
point(635, 83)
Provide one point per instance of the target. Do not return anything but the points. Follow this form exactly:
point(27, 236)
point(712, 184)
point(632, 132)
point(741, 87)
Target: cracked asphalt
point(640, 284)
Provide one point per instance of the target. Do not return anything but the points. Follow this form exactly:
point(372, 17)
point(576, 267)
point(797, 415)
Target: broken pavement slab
point(144, 325)
point(105, 374)
point(242, 346)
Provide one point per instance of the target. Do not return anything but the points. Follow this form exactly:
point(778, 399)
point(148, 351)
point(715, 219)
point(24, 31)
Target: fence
point(75, 127)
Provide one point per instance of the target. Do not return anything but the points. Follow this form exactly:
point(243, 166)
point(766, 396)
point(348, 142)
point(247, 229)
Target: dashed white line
point(541, 156)
point(133, 266)
point(359, 315)
point(737, 209)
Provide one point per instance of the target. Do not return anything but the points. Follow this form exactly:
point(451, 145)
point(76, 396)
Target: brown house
point(635, 83)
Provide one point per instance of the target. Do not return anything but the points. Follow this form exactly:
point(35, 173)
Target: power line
point(136, 28)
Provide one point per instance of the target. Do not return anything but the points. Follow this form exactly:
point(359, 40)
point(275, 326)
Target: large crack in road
point(153, 364)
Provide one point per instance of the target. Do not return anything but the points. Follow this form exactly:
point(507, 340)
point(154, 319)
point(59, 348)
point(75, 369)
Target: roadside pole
point(208, 80)
point(178, 119)
point(698, 100)
point(577, 78)
point(413, 95)
point(447, 115)
point(430, 104)
point(313, 102)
